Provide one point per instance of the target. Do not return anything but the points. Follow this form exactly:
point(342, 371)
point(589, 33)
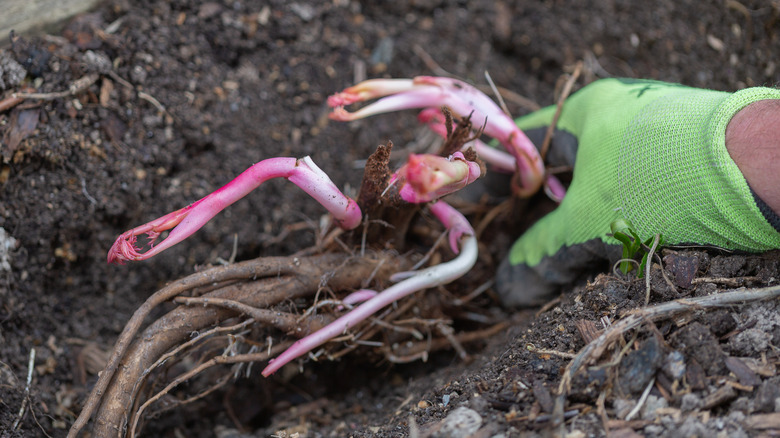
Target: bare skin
point(753, 141)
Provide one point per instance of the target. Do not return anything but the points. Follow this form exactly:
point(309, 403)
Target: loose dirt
point(154, 104)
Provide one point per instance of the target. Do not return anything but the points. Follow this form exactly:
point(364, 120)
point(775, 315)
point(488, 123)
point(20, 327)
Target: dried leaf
point(21, 124)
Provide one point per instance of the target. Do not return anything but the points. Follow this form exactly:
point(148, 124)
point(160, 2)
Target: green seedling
point(623, 230)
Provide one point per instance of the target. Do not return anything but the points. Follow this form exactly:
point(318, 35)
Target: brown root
point(247, 312)
point(259, 284)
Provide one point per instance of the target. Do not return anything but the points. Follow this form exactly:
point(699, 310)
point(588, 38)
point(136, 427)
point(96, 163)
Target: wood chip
point(763, 421)
point(695, 375)
point(722, 395)
point(625, 432)
point(744, 374)
point(543, 396)
point(622, 424)
point(588, 330)
point(739, 386)
point(762, 368)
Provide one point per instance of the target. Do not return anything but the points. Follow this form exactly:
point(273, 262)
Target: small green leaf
point(625, 240)
point(642, 266)
point(620, 226)
point(623, 231)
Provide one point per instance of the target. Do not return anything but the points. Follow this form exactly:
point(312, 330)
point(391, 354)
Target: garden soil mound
point(154, 104)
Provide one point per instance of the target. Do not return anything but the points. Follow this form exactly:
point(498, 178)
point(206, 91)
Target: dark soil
point(181, 96)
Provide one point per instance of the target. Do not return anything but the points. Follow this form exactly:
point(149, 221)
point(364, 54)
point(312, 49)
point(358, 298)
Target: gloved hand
point(647, 151)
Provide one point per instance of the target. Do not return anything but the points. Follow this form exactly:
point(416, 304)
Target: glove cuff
point(766, 210)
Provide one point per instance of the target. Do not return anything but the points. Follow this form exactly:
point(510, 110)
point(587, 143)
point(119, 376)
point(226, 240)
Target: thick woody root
point(258, 284)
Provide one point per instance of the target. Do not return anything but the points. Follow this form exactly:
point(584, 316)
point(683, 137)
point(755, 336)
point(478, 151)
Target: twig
point(491, 215)
point(149, 98)
point(554, 170)
point(317, 304)
point(547, 417)
point(423, 321)
point(120, 80)
point(666, 310)
point(648, 264)
point(732, 282)
point(518, 99)
point(369, 343)
point(497, 94)
point(364, 235)
point(660, 263)
point(396, 328)
point(564, 94)
point(429, 61)
point(86, 194)
point(563, 354)
point(280, 320)
point(371, 276)
point(25, 400)
point(9, 102)
point(430, 252)
point(602, 411)
point(448, 333)
point(393, 358)
point(76, 87)
point(38, 423)
point(665, 276)
point(615, 267)
point(473, 294)
point(285, 232)
point(641, 401)
point(232, 258)
point(548, 305)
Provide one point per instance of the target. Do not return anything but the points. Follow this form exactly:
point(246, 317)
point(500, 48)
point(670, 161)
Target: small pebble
point(460, 423)
point(674, 367)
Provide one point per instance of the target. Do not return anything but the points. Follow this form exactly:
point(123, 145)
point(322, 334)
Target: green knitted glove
point(650, 152)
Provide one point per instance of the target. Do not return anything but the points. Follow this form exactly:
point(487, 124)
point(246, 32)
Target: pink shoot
point(462, 99)
point(426, 177)
point(554, 188)
point(370, 89)
point(460, 230)
point(498, 159)
point(457, 224)
point(184, 222)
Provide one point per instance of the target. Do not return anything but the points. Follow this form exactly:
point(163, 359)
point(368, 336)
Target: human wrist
point(753, 142)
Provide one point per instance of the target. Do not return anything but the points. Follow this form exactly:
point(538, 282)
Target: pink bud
point(426, 177)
